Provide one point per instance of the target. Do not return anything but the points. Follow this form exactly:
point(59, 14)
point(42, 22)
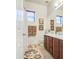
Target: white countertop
point(55, 35)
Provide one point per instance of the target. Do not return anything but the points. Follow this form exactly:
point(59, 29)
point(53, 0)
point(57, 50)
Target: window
point(30, 16)
point(19, 15)
point(59, 19)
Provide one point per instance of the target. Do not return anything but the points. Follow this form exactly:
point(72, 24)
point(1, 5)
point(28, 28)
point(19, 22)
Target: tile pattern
point(32, 53)
point(37, 52)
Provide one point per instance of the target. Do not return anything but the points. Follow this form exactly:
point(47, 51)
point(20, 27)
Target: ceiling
point(40, 1)
point(44, 3)
point(60, 8)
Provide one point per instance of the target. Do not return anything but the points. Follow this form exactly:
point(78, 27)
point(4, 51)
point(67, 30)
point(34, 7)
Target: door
point(61, 49)
point(48, 41)
point(21, 36)
point(51, 46)
point(45, 41)
point(56, 48)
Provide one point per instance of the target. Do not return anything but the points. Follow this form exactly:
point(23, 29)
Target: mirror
point(59, 19)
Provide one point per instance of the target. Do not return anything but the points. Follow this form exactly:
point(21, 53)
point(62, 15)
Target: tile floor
point(44, 53)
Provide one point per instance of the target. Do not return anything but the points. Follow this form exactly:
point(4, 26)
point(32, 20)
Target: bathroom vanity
point(54, 45)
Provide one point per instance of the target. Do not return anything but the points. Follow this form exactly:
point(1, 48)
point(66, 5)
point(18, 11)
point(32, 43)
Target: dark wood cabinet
point(51, 45)
point(54, 46)
point(48, 42)
point(45, 41)
point(61, 49)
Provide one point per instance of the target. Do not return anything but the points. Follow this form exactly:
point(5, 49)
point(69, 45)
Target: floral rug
point(32, 53)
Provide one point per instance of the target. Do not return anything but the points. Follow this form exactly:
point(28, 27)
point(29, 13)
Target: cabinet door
point(56, 48)
point(61, 49)
point(48, 41)
point(45, 41)
point(51, 45)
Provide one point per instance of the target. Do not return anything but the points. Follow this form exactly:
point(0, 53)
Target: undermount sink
point(56, 33)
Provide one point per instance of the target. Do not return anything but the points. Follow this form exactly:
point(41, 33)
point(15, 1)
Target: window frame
point(32, 12)
point(60, 19)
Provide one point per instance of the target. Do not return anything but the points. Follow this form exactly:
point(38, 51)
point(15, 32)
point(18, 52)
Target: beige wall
point(40, 11)
point(51, 14)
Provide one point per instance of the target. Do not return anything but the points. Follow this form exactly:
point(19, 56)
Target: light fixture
point(47, 1)
point(58, 3)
